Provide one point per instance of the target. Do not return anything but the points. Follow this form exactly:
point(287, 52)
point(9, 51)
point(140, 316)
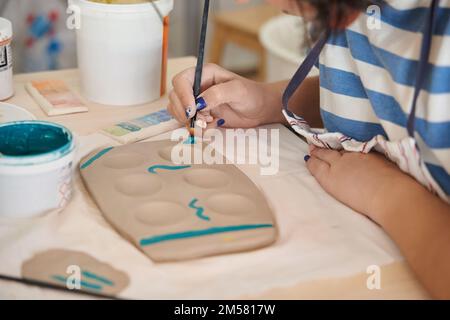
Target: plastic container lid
point(5, 29)
point(10, 112)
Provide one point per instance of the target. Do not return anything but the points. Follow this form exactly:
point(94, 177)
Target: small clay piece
point(65, 267)
point(174, 211)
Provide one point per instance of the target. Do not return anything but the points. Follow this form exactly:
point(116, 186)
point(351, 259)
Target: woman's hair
point(335, 10)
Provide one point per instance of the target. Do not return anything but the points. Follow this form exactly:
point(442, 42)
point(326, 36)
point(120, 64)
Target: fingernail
point(220, 122)
point(189, 112)
point(200, 103)
point(307, 157)
point(200, 123)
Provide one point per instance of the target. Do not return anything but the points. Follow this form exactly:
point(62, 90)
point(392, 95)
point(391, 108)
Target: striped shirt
point(367, 79)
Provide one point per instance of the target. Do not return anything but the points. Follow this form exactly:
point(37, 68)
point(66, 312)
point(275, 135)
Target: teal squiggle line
point(153, 169)
point(84, 284)
point(200, 233)
point(95, 277)
point(97, 156)
point(200, 210)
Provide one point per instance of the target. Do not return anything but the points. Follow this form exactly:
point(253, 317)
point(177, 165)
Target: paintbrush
point(47, 285)
point(199, 67)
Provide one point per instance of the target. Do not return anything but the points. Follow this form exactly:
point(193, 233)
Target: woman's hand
point(363, 182)
point(417, 220)
point(227, 99)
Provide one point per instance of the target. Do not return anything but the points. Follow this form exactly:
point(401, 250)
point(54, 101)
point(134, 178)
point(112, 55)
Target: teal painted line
point(153, 169)
point(59, 279)
point(199, 210)
point(85, 284)
point(96, 157)
point(200, 233)
point(93, 276)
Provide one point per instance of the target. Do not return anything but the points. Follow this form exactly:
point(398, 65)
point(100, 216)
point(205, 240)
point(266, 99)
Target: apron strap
point(303, 71)
point(423, 64)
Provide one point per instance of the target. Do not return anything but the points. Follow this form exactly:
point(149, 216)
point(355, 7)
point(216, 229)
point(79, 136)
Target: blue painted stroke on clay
point(153, 169)
point(199, 233)
point(84, 284)
point(95, 157)
point(97, 278)
point(200, 210)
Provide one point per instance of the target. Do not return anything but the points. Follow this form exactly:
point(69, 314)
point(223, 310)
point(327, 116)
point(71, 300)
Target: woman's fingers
point(183, 85)
point(176, 108)
point(220, 94)
point(205, 115)
point(326, 155)
point(318, 168)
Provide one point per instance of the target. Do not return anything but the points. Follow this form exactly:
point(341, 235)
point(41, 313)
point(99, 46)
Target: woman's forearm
point(419, 222)
point(305, 102)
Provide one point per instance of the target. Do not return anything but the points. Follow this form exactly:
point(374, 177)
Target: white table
point(397, 279)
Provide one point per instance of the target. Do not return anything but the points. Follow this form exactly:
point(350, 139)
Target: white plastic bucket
point(35, 168)
point(283, 37)
point(121, 50)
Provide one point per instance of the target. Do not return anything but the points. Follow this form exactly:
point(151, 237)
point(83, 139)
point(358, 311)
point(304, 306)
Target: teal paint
point(190, 140)
point(96, 157)
point(59, 279)
point(98, 278)
point(84, 284)
point(32, 142)
point(153, 169)
point(200, 233)
point(199, 210)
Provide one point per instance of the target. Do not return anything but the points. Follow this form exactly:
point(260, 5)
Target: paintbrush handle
point(47, 285)
point(201, 50)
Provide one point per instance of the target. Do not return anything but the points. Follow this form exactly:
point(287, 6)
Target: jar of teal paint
point(36, 168)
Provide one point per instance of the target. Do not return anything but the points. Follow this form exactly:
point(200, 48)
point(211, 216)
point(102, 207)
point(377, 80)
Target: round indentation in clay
point(124, 160)
point(206, 178)
point(161, 213)
point(166, 153)
point(183, 153)
point(139, 185)
point(231, 204)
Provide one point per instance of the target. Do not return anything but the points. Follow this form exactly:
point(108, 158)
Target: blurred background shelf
point(253, 38)
point(242, 27)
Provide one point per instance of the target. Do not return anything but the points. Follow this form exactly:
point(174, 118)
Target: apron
point(405, 152)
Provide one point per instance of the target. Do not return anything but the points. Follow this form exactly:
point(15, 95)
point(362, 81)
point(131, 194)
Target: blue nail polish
point(220, 122)
point(307, 157)
point(187, 114)
point(200, 104)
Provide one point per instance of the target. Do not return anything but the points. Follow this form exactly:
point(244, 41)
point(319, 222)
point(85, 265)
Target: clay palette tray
point(174, 212)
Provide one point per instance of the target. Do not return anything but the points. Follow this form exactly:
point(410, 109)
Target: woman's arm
point(419, 222)
point(305, 102)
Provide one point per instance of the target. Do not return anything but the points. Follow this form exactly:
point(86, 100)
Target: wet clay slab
point(59, 267)
point(175, 211)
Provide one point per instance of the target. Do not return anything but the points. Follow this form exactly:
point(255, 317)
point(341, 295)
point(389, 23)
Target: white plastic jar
point(121, 50)
point(6, 70)
point(36, 168)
